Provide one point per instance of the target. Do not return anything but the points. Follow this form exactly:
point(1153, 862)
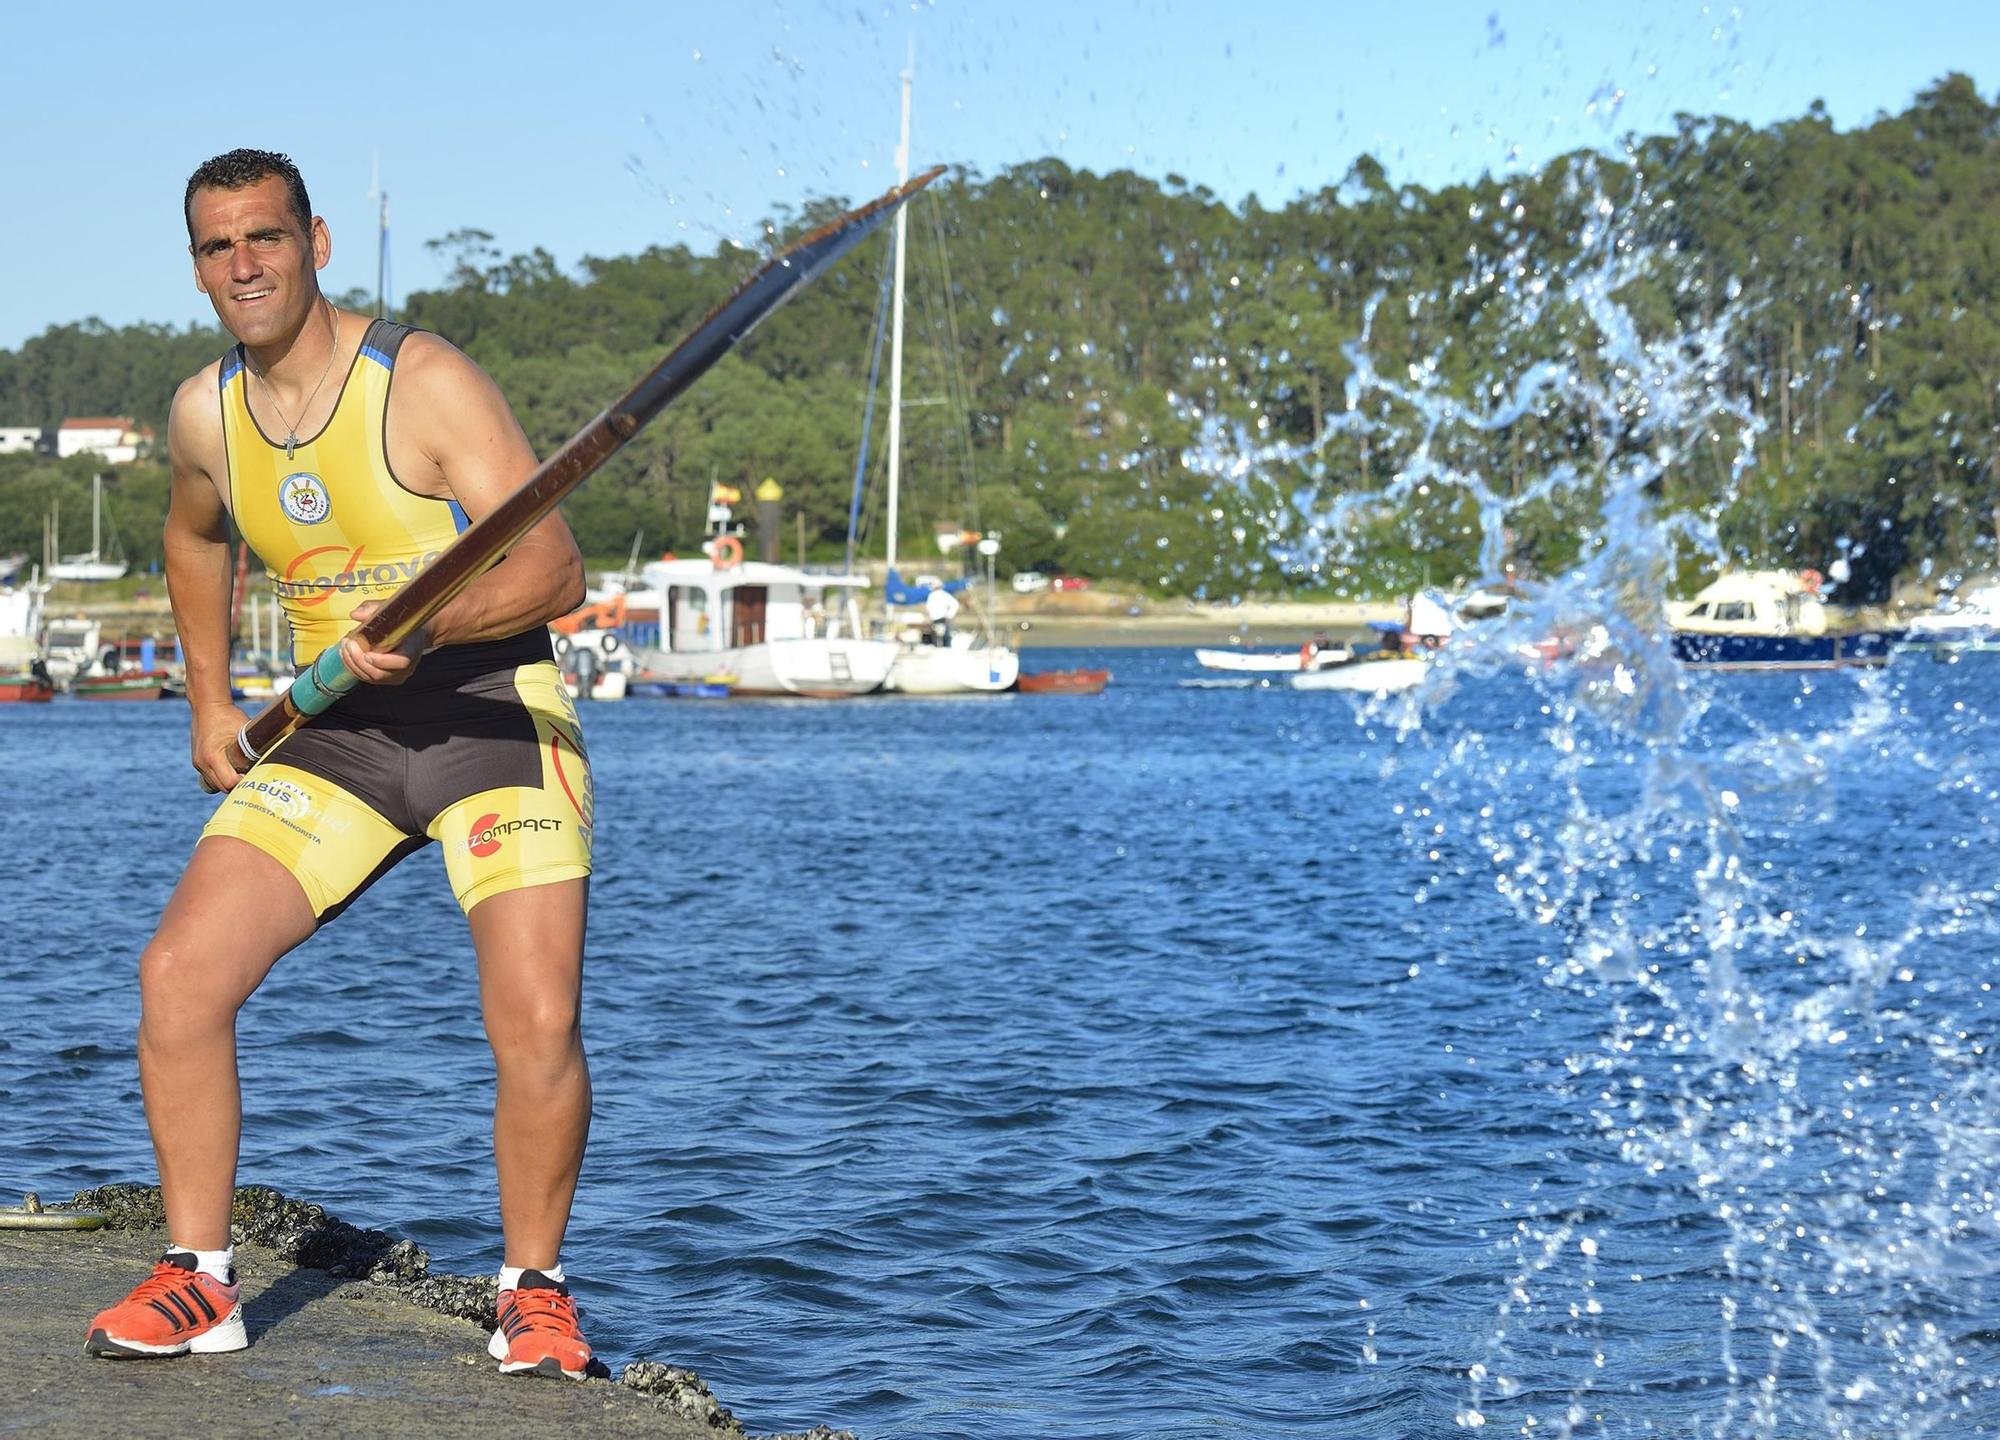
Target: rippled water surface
point(1172, 1062)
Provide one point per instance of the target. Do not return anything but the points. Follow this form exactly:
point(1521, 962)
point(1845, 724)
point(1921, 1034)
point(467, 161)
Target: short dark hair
point(236, 169)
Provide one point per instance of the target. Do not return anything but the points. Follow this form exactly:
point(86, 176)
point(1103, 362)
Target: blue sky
point(597, 128)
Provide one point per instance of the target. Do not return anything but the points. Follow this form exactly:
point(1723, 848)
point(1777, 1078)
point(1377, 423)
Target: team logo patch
point(304, 498)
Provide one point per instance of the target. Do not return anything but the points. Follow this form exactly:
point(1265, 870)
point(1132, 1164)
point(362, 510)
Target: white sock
point(510, 1275)
point(218, 1265)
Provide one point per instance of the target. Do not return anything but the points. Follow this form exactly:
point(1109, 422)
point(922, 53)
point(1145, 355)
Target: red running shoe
point(175, 1310)
point(538, 1333)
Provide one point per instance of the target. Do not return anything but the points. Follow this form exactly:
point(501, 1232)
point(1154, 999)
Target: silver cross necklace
point(291, 430)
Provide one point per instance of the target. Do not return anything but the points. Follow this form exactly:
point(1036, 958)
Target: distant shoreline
point(1113, 632)
point(1090, 619)
point(1252, 625)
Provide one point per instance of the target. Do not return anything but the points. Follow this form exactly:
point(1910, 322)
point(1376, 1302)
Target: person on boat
point(940, 608)
point(345, 493)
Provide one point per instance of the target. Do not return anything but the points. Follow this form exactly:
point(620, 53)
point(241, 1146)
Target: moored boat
point(1770, 620)
point(30, 686)
point(24, 677)
point(778, 630)
point(1375, 673)
point(956, 669)
point(1065, 682)
point(931, 658)
point(128, 685)
point(91, 566)
point(604, 685)
point(1263, 661)
point(1967, 624)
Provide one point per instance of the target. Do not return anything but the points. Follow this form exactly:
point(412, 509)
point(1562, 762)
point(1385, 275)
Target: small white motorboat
point(1263, 661)
point(1367, 675)
point(1769, 620)
point(1968, 624)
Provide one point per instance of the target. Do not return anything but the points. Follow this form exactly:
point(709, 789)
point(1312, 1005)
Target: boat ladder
point(837, 667)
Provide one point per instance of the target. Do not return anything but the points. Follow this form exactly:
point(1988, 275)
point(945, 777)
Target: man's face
point(254, 261)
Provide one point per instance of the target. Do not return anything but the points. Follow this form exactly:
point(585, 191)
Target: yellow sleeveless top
point(331, 523)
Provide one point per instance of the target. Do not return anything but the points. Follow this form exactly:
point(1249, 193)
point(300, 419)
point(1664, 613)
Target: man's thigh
point(327, 836)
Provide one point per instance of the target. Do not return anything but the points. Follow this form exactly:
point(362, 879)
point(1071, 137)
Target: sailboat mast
point(896, 324)
point(381, 196)
point(96, 504)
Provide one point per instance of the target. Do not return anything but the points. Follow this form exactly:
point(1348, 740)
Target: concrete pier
point(331, 1354)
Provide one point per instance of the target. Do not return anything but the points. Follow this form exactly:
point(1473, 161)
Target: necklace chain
point(291, 430)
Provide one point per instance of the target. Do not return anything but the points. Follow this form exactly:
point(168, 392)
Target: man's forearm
point(536, 583)
point(198, 585)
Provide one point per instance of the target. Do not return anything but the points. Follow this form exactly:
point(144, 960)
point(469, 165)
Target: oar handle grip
point(325, 681)
point(315, 691)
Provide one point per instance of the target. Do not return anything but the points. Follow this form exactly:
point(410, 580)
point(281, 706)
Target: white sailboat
point(90, 565)
point(966, 665)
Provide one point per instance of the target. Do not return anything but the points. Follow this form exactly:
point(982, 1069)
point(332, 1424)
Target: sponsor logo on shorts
point(489, 831)
point(304, 498)
point(281, 797)
point(318, 574)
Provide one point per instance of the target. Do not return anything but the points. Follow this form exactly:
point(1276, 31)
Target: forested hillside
point(1069, 332)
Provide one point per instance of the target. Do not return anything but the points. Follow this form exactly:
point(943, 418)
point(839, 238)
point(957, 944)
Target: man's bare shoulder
point(204, 384)
point(194, 422)
point(442, 395)
point(432, 360)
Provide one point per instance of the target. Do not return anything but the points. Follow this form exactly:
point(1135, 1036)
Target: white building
point(16, 438)
point(115, 437)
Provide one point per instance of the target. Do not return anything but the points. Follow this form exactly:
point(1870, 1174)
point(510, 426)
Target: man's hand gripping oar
point(396, 623)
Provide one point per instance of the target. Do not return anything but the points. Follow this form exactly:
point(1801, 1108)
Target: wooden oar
point(481, 546)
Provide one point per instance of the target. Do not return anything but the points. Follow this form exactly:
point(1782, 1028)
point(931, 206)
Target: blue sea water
point(1172, 1062)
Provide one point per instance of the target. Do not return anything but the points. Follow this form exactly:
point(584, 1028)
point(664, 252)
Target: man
point(344, 494)
point(940, 608)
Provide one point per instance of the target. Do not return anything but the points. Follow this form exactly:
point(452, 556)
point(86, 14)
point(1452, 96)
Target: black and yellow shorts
point(479, 751)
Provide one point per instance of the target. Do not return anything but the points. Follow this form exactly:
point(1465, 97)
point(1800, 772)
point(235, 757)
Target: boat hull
point(122, 687)
point(952, 670)
point(605, 685)
point(820, 669)
point(1861, 649)
point(1253, 661)
point(1065, 682)
point(1364, 677)
point(1950, 652)
point(89, 571)
point(25, 690)
point(649, 687)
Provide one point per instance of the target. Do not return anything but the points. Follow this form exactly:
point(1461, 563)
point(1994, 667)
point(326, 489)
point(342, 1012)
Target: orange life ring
point(726, 552)
point(1811, 580)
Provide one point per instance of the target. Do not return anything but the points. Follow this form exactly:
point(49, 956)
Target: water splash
point(1788, 1102)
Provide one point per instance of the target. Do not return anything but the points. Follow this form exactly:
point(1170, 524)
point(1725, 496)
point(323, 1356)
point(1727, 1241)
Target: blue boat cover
point(897, 592)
